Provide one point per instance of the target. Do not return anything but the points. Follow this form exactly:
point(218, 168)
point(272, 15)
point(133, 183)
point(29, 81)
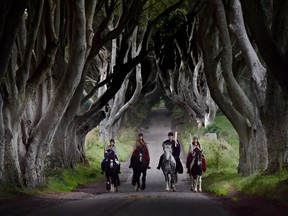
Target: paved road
point(154, 200)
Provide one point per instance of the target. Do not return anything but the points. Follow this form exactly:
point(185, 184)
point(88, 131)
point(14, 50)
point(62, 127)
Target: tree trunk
point(275, 60)
point(40, 139)
point(11, 13)
point(275, 116)
point(249, 134)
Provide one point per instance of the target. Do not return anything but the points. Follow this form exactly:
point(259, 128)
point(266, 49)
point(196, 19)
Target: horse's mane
point(137, 162)
point(197, 151)
point(111, 154)
point(140, 149)
point(167, 142)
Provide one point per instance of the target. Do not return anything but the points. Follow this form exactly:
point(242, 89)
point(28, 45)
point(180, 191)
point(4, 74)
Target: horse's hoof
point(143, 186)
point(167, 189)
point(174, 190)
point(200, 190)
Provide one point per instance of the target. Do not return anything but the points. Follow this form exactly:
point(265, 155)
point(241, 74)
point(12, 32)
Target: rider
point(195, 144)
point(110, 147)
point(175, 144)
point(140, 142)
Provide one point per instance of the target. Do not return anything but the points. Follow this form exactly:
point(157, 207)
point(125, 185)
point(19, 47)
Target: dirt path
point(155, 134)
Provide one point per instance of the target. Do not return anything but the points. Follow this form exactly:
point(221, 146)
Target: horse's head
point(167, 151)
point(197, 153)
point(141, 152)
point(110, 154)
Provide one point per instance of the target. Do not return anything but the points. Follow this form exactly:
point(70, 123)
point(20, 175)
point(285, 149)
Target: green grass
point(222, 156)
point(68, 179)
point(221, 182)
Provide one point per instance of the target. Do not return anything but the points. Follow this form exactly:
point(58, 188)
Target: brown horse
point(139, 165)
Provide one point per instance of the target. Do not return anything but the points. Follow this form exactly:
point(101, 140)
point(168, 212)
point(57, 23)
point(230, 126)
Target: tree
point(8, 33)
point(43, 107)
point(242, 113)
point(267, 21)
point(180, 68)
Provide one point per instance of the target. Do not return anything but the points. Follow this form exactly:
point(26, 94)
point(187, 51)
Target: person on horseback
point(140, 142)
point(195, 144)
point(109, 148)
point(176, 149)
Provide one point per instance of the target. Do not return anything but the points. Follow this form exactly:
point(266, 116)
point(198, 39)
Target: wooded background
point(67, 67)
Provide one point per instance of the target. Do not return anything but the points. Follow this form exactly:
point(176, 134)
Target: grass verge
point(222, 156)
point(67, 179)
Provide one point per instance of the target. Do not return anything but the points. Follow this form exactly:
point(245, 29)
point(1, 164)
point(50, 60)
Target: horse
point(111, 172)
point(168, 167)
point(139, 165)
point(195, 171)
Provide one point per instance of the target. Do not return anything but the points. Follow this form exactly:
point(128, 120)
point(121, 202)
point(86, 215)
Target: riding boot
point(119, 169)
point(118, 181)
point(160, 162)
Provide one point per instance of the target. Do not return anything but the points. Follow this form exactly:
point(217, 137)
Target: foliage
point(212, 128)
point(221, 182)
point(226, 130)
point(125, 142)
point(220, 153)
point(222, 156)
point(169, 26)
point(270, 186)
point(68, 179)
point(177, 113)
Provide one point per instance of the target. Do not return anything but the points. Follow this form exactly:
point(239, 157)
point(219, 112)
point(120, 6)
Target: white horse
point(168, 167)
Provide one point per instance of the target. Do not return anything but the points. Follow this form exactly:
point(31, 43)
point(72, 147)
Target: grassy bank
point(67, 179)
point(222, 156)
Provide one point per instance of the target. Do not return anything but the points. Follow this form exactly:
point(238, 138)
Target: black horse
point(139, 165)
point(111, 172)
point(196, 170)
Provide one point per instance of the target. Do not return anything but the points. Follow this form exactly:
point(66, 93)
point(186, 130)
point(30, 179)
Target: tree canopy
point(69, 66)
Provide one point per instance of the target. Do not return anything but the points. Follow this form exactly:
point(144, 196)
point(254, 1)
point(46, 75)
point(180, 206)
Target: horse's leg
point(134, 177)
point(112, 183)
point(195, 184)
point(118, 180)
point(143, 186)
point(137, 180)
point(167, 182)
point(200, 183)
point(115, 181)
point(108, 185)
point(191, 181)
point(173, 181)
point(138, 185)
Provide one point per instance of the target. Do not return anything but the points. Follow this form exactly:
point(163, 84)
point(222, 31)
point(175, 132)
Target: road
point(154, 200)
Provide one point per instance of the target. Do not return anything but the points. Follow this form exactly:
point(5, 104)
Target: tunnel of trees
point(69, 66)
